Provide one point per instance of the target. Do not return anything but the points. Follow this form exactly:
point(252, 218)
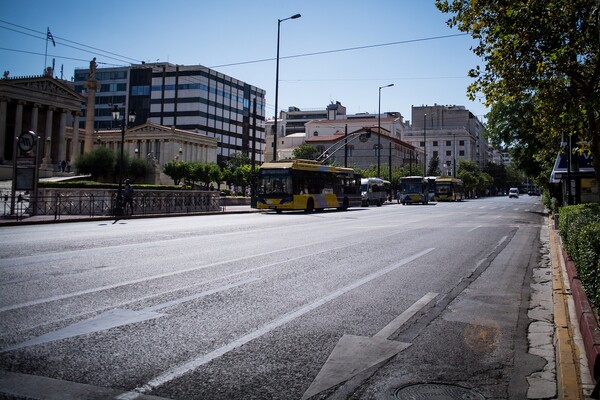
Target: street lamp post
point(424, 145)
point(279, 21)
point(118, 210)
point(379, 131)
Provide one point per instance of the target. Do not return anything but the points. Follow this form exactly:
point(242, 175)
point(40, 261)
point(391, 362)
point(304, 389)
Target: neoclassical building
point(160, 143)
point(46, 106)
point(52, 110)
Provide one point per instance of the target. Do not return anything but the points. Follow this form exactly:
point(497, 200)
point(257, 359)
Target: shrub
point(579, 228)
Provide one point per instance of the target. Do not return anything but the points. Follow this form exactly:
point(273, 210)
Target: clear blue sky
point(216, 33)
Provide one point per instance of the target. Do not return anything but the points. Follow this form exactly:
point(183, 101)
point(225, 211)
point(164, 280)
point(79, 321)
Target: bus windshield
point(411, 187)
point(275, 181)
point(443, 188)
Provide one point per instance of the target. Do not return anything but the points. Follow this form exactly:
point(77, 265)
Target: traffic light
point(368, 132)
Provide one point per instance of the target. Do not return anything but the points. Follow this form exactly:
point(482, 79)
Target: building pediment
point(150, 129)
point(42, 90)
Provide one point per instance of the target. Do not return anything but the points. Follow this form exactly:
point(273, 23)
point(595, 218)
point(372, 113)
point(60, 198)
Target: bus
point(372, 191)
point(413, 189)
point(431, 186)
point(448, 188)
point(306, 185)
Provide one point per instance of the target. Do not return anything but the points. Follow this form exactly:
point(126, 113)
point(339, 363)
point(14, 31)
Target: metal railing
point(92, 203)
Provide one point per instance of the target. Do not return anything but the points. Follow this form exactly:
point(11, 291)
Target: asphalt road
point(349, 305)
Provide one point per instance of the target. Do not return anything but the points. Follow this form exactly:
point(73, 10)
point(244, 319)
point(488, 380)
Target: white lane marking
point(475, 227)
point(400, 320)
point(146, 279)
point(183, 369)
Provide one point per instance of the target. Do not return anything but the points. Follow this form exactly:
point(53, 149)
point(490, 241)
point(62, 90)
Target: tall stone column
point(75, 147)
point(34, 117)
point(62, 137)
point(18, 122)
point(47, 160)
point(92, 85)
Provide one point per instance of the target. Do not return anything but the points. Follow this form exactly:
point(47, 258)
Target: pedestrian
point(128, 197)
point(63, 165)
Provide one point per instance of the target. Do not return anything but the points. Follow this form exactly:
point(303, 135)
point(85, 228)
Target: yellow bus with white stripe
point(448, 188)
point(306, 185)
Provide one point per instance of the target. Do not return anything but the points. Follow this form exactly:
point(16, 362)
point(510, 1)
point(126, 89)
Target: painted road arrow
point(118, 317)
point(354, 354)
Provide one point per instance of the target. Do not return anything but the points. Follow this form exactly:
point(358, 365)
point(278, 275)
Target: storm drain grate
point(436, 391)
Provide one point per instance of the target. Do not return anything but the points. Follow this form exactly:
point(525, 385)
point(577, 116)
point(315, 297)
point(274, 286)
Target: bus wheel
point(310, 206)
point(379, 203)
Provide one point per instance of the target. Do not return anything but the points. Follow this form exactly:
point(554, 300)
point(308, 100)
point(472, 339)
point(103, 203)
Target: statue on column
point(93, 66)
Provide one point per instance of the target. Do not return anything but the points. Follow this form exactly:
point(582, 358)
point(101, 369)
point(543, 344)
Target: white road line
point(189, 366)
point(145, 279)
point(401, 319)
point(475, 227)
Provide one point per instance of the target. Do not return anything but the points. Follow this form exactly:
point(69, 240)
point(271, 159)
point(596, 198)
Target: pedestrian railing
point(100, 202)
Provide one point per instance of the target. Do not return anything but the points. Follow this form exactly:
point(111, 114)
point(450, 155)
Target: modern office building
point(191, 98)
point(450, 133)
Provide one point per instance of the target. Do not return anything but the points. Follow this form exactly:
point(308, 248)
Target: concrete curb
point(567, 372)
point(588, 324)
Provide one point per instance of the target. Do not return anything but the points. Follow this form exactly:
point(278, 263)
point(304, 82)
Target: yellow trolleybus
point(306, 185)
point(448, 188)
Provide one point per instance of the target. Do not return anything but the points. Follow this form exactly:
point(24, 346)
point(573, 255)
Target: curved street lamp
point(279, 21)
point(125, 122)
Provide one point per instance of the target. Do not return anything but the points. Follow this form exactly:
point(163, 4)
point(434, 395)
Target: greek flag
point(50, 37)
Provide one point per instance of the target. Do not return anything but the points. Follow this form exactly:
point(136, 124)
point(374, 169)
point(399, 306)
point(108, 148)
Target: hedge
point(579, 228)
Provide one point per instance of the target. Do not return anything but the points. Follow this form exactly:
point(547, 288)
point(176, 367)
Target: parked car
point(513, 192)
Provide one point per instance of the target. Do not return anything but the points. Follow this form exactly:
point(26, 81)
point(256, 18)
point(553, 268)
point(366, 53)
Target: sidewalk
point(574, 377)
point(50, 219)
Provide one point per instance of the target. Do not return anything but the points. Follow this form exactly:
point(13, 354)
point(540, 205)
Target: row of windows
point(449, 143)
point(140, 90)
point(101, 75)
point(449, 153)
point(233, 83)
point(205, 88)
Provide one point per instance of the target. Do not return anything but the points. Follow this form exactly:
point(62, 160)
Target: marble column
point(62, 137)
point(34, 117)
point(75, 147)
point(18, 122)
point(92, 85)
point(47, 160)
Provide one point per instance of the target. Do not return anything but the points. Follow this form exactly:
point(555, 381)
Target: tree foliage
point(98, 163)
point(177, 170)
point(305, 151)
point(538, 54)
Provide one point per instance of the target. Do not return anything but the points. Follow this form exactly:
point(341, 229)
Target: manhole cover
point(436, 391)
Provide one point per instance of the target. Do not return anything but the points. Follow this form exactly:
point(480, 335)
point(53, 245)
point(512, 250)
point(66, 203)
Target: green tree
point(542, 52)
point(137, 169)
point(305, 151)
point(207, 173)
point(434, 167)
point(177, 170)
point(98, 163)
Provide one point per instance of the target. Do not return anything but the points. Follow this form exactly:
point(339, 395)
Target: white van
point(513, 192)
point(372, 191)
